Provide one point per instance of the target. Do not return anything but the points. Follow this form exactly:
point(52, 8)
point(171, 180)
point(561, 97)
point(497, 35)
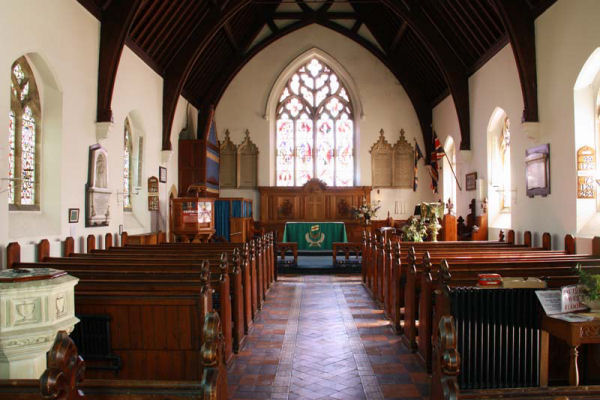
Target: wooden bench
point(346, 249)
point(283, 248)
point(64, 377)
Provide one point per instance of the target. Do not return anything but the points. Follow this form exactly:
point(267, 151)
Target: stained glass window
point(127, 167)
point(505, 162)
point(23, 139)
point(314, 129)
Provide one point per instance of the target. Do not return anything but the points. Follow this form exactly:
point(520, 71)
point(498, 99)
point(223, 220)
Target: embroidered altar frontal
point(315, 235)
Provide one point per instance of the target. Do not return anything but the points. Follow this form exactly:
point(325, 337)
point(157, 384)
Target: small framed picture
point(73, 215)
point(471, 181)
point(162, 174)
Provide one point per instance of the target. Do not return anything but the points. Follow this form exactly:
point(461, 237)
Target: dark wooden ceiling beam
point(166, 29)
point(356, 27)
point(449, 63)
point(185, 23)
point(178, 70)
point(519, 23)
point(115, 25)
point(303, 14)
point(473, 38)
point(234, 45)
point(398, 36)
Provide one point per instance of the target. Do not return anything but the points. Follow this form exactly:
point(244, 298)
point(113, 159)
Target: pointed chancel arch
point(313, 108)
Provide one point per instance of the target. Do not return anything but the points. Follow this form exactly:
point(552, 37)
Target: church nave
point(323, 337)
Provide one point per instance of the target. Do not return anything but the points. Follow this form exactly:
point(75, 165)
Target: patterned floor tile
point(322, 337)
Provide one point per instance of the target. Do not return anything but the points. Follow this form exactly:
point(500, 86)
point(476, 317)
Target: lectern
point(193, 218)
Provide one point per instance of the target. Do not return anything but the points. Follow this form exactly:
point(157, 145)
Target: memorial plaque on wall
point(153, 203)
point(586, 187)
point(586, 159)
point(228, 167)
point(403, 171)
point(247, 163)
point(381, 162)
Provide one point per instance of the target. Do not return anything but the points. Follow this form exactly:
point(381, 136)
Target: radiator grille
point(92, 338)
point(498, 332)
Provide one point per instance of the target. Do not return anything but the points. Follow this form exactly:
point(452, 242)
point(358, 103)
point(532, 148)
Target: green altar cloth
point(315, 235)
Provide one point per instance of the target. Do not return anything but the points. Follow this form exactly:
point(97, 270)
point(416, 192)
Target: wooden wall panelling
point(403, 163)
point(192, 164)
point(381, 159)
point(247, 163)
point(228, 167)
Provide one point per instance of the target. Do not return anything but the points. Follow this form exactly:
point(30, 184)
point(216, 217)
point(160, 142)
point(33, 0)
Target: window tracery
point(23, 139)
point(314, 129)
point(127, 166)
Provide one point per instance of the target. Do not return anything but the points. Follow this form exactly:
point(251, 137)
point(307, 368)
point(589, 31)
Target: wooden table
point(574, 334)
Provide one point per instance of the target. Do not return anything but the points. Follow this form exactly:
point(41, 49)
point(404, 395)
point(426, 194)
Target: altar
point(315, 235)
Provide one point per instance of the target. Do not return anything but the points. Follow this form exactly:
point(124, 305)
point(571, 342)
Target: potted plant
point(592, 288)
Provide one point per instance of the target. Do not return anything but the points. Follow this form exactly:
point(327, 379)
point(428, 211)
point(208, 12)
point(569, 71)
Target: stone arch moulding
point(293, 66)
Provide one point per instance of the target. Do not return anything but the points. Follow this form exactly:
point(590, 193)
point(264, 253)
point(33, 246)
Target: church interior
point(300, 199)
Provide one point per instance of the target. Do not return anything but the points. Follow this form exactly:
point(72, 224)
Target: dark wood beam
point(449, 63)
point(303, 14)
point(356, 27)
point(398, 36)
point(115, 25)
point(272, 25)
point(518, 21)
point(178, 70)
point(231, 38)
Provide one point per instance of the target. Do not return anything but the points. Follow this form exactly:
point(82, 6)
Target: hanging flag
point(418, 156)
point(436, 154)
point(438, 150)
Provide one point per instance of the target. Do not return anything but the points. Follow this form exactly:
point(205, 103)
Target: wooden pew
point(230, 295)
point(64, 377)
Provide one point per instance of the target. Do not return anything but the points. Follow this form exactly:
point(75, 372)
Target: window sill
point(25, 208)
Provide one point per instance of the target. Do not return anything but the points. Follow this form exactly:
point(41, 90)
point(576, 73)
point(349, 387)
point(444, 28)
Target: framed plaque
point(153, 194)
point(586, 159)
point(471, 181)
point(586, 187)
point(537, 170)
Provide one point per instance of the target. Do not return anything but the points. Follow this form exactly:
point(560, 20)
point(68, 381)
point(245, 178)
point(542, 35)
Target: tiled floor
point(322, 337)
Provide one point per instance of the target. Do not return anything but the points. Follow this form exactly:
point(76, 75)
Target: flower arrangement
point(415, 230)
point(591, 283)
point(366, 211)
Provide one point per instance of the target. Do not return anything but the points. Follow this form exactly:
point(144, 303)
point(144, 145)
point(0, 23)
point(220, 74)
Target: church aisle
point(322, 337)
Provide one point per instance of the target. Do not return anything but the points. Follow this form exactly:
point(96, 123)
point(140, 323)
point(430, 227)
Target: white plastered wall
point(566, 35)
point(64, 39)
point(384, 102)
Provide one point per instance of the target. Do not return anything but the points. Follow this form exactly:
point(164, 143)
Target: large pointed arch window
point(23, 138)
point(314, 129)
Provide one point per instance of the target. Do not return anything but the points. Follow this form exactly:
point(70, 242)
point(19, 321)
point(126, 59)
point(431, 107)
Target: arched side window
point(449, 165)
point(127, 166)
point(504, 155)
point(500, 172)
point(24, 139)
point(314, 129)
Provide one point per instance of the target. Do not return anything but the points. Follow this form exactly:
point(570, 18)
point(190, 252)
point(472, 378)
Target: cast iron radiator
point(498, 332)
point(92, 338)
